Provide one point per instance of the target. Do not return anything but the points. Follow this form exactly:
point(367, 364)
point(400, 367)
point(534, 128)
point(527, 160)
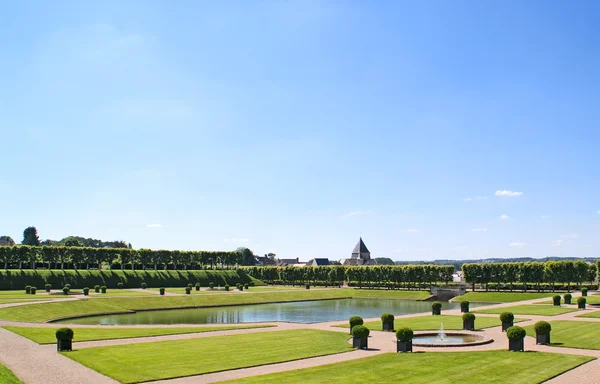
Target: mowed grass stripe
point(572, 334)
point(46, 335)
point(169, 359)
point(7, 377)
point(530, 309)
point(439, 367)
point(501, 297)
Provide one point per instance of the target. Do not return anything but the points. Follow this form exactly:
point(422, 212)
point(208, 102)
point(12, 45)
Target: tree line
point(525, 273)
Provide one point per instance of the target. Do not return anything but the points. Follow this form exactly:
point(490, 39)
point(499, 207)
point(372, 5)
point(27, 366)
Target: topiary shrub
point(556, 300)
point(567, 297)
point(197, 286)
point(542, 327)
point(190, 285)
point(86, 291)
point(68, 286)
point(27, 289)
point(464, 306)
point(33, 290)
point(507, 317)
point(64, 339)
point(227, 287)
point(97, 288)
point(66, 290)
point(161, 290)
point(144, 285)
point(246, 286)
point(211, 285)
point(468, 316)
point(103, 289)
point(354, 321)
point(404, 334)
point(468, 321)
point(120, 285)
point(188, 290)
point(307, 286)
point(584, 291)
point(387, 322)
point(48, 287)
point(436, 308)
point(360, 331)
point(581, 302)
point(515, 333)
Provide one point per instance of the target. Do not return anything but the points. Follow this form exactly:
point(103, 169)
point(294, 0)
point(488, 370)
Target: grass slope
point(7, 377)
point(52, 311)
point(531, 309)
point(572, 334)
point(425, 323)
point(439, 367)
point(501, 297)
point(168, 359)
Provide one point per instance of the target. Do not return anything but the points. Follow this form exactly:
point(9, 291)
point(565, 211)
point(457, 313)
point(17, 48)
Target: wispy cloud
point(356, 213)
point(412, 230)
point(155, 225)
point(517, 244)
point(571, 236)
point(479, 230)
point(504, 217)
point(475, 198)
point(557, 243)
point(236, 240)
point(507, 193)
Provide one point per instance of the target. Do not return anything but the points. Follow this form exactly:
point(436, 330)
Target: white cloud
point(355, 213)
point(397, 250)
point(571, 236)
point(475, 198)
point(557, 243)
point(154, 225)
point(504, 217)
point(237, 240)
point(412, 230)
point(507, 193)
point(479, 230)
point(517, 244)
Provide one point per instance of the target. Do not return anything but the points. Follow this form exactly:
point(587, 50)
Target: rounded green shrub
point(64, 334)
point(211, 285)
point(387, 318)
point(468, 316)
point(542, 327)
point(227, 287)
point(86, 291)
point(97, 288)
point(507, 317)
point(144, 285)
point(33, 290)
point(355, 320)
point(190, 285)
point(360, 331)
point(197, 285)
point(161, 290)
point(581, 300)
point(188, 290)
point(28, 289)
point(436, 305)
point(464, 305)
point(103, 289)
point(48, 287)
point(515, 333)
point(120, 285)
point(584, 291)
point(404, 334)
point(246, 286)
point(567, 296)
point(556, 299)
point(66, 290)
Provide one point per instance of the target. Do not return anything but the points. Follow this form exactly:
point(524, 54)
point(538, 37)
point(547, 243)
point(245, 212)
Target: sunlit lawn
point(501, 297)
point(572, 334)
point(530, 309)
point(7, 377)
point(425, 323)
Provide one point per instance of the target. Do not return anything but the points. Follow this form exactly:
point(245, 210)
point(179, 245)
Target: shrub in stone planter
point(66, 290)
point(48, 287)
point(360, 337)
point(197, 286)
point(468, 321)
point(188, 290)
point(120, 285)
point(97, 288)
point(144, 285)
point(542, 332)
point(241, 287)
point(27, 289)
point(190, 285)
point(567, 297)
point(238, 285)
point(387, 322)
point(556, 300)
point(507, 319)
point(354, 321)
point(436, 308)
point(307, 286)
point(404, 338)
point(161, 290)
point(584, 291)
point(246, 286)
point(211, 285)
point(33, 290)
point(64, 339)
point(464, 306)
point(86, 291)
point(227, 287)
point(581, 302)
point(516, 336)
point(103, 289)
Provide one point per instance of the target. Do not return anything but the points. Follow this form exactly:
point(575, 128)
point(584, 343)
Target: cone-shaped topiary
point(542, 327)
point(404, 334)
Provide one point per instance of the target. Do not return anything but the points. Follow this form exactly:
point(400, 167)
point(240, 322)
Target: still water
point(298, 312)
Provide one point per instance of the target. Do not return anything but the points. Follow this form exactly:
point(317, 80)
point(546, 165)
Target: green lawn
point(52, 311)
point(593, 315)
point(7, 377)
point(425, 323)
point(40, 295)
point(501, 297)
point(573, 334)
point(168, 359)
point(530, 309)
point(439, 367)
point(46, 335)
point(593, 299)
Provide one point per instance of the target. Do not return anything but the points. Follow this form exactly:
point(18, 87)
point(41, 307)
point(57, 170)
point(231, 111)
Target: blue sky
point(438, 129)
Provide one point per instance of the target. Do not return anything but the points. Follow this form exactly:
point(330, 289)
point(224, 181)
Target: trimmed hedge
point(103, 289)
point(436, 305)
point(387, 317)
point(516, 333)
point(584, 291)
point(355, 320)
point(144, 285)
point(17, 279)
point(542, 327)
point(27, 289)
point(507, 317)
point(360, 331)
point(404, 334)
point(468, 316)
point(97, 288)
point(66, 290)
point(64, 334)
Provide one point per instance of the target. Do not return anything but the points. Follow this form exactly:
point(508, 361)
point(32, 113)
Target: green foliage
point(387, 317)
point(581, 300)
point(246, 286)
point(468, 316)
point(567, 296)
point(66, 290)
point(436, 305)
point(211, 285)
point(360, 331)
point(584, 291)
point(86, 291)
point(120, 285)
point(33, 290)
point(542, 327)
point(515, 333)
point(48, 287)
point(384, 261)
point(162, 291)
point(27, 289)
point(68, 285)
point(188, 290)
point(404, 334)
point(103, 289)
point(464, 305)
point(556, 299)
point(355, 320)
point(227, 287)
point(64, 334)
point(507, 317)
point(198, 285)
point(190, 285)
point(30, 236)
point(144, 285)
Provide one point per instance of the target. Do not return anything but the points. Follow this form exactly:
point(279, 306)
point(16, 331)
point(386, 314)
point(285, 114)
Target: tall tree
point(384, 261)
point(247, 256)
point(6, 241)
point(30, 236)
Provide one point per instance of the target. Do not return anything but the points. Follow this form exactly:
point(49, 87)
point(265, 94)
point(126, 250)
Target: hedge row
point(18, 279)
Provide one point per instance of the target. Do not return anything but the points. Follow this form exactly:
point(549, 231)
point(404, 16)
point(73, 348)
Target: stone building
point(360, 255)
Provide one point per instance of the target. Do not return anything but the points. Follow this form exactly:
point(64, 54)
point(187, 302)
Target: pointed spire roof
point(360, 247)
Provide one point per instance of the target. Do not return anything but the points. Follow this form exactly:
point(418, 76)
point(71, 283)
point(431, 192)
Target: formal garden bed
point(572, 334)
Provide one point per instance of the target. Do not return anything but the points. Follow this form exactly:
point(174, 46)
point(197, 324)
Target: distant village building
point(318, 263)
point(360, 255)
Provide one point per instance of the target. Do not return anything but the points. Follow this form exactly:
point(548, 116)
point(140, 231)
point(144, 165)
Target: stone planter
point(542, 338)
point(581, 305)
point(387, 326)
point(464, 309)
point(506, 325)
point(404, 346)
point(64, 345)
point(469, 325)
point(436, 311)
point(307, 286)
point(360, 343)
point(197, 288)
point(567, 300)
point(516, 345)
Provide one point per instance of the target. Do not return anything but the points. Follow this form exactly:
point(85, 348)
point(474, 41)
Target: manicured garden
point(168, 359)
point(572, 334)
point(438, 367)
point(501, 297)
point(426, 323)
point(46, 335)
point(7, 377)
point(530, 309)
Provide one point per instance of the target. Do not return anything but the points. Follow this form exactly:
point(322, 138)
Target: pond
point(298, 312)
